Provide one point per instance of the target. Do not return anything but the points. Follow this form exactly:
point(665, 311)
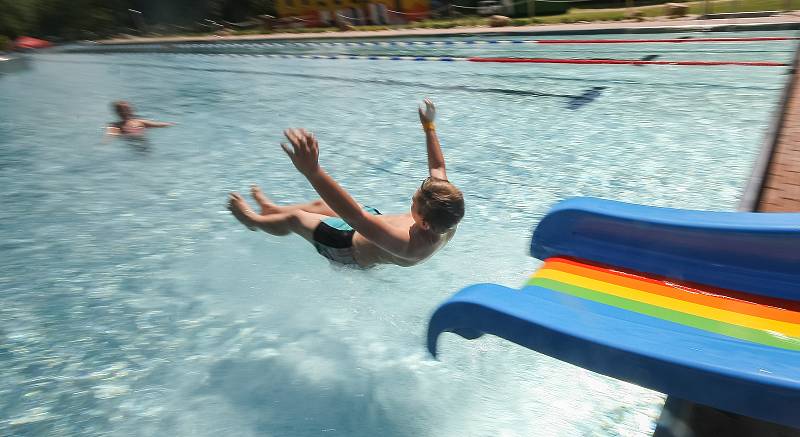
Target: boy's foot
point(241, 210)
point(267, 207)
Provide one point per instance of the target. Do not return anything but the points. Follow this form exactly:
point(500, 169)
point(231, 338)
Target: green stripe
point(727, 329)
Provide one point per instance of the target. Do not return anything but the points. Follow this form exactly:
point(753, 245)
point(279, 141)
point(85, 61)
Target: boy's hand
point(304, 152)
point(428, 113)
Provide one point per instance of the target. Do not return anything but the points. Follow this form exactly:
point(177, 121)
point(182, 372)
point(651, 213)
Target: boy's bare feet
point(241, 210)
point(267, 207)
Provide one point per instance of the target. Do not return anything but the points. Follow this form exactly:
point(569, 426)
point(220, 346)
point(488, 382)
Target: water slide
point(703, 306)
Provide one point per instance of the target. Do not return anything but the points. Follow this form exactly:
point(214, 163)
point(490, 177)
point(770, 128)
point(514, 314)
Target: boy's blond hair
point(440, 204)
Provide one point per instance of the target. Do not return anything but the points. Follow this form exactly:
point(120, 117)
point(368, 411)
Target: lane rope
point(629, 62)
point(261, 44)
point(488, 42)
point(669, 40)
point(529, 60)
point(499, 60)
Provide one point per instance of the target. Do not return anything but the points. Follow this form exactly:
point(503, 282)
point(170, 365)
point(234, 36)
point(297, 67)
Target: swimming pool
point(134, 304)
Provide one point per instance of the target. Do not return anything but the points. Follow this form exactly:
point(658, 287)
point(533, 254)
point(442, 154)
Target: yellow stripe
point(790, 329)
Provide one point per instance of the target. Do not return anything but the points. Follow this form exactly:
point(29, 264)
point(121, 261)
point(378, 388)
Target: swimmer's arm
point(387, 237)
point(435, 158)
point(304, 154)
point(151, 123)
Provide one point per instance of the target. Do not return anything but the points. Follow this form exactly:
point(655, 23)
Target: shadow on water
point(309, 392)
point(587, 97)
point(141, 145)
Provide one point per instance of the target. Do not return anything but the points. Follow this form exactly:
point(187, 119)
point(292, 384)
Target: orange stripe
point(682, 293)
point(783, 304)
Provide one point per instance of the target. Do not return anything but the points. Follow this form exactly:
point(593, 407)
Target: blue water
point(132, 303)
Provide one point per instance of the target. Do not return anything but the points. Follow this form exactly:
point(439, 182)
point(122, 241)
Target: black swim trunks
point(333, 239)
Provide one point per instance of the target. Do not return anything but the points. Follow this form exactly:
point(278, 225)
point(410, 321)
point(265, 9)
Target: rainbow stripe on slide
point(763, 320)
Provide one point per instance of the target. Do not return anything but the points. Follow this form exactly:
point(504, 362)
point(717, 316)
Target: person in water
point(347, 233)
point(128, 124)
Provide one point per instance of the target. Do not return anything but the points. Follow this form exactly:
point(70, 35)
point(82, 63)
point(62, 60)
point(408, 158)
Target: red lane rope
point(670, 40)
point(625, 62)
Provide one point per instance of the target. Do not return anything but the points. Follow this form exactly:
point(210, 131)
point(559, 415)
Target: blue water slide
point(754, 252)
point(749, 252)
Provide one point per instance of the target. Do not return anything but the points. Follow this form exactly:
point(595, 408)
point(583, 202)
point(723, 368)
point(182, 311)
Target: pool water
point(132, 303)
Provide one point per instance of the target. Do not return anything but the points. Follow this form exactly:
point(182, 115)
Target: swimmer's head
point(123, 109)
point(438, 205)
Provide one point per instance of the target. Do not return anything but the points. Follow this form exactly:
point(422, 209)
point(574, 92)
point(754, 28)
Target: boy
point(347, 233)
point(128, 124)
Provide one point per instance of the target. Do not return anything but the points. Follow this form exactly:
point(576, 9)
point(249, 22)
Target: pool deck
point(784, 21)
point(780, 191)
point(774, 184)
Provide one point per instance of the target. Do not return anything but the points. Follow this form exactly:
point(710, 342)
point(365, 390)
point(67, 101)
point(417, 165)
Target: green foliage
point(73, 19)
point(5, 43)
point(16, 17)
point(58, 18)
point(77, 19)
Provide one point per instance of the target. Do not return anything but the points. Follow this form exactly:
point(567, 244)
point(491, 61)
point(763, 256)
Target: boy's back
point(422, 246)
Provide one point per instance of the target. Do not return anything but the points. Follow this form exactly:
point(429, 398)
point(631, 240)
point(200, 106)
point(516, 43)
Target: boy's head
point(123, 109)
point(438, 205)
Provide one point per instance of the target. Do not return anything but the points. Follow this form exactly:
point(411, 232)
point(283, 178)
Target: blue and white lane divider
point(501, 60)
point(369, 57)
point(439, 43)
point(360, 43)
point(260, 45)
point(512, 60)
point(484, 42)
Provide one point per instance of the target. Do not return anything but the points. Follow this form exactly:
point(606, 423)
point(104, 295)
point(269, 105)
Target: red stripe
point(626, 62)
point(670, 40)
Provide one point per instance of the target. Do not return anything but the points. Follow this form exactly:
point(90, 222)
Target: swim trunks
point(333, 239)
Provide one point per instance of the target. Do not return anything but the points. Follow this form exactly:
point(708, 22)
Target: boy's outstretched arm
point(304, 153)
point(435, 157)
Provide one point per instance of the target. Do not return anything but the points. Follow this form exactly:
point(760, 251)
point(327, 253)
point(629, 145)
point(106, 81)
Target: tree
point(17, 17)
point(72, 19)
